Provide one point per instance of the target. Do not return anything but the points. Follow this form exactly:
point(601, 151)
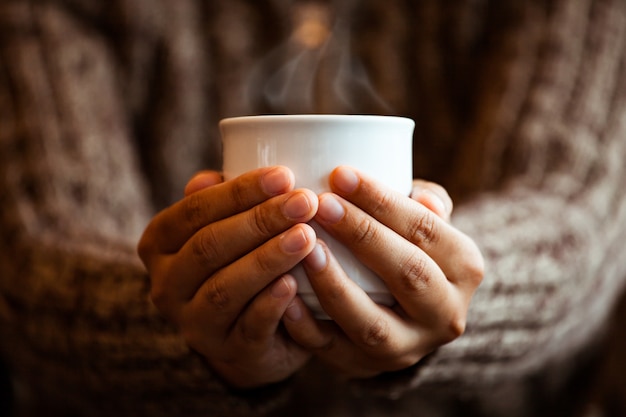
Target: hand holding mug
point(217, 261)
point(430, 268)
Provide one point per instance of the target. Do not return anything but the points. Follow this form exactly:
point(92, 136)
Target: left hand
point(430, 267)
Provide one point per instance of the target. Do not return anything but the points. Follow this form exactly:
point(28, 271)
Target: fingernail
point(275, 181)
point(293, 241)
point(316, 260)
point(280, 289)
point(296, 206)
point(330, 209)
point(345, 179)
point(293, 311)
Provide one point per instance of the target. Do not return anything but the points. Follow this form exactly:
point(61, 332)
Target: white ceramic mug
point(312, 146)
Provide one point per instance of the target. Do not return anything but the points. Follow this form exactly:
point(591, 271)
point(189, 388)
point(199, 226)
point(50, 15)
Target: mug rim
point(299, 118)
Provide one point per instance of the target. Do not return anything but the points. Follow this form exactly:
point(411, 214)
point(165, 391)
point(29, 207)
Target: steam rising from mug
point(314, 70)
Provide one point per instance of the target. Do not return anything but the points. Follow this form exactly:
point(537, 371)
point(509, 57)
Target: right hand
point(217, 261)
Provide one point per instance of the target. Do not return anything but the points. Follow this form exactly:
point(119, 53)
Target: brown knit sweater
point(108, 107)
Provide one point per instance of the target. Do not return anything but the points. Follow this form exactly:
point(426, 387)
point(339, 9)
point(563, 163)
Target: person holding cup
point(109, 108)
point(219, 273)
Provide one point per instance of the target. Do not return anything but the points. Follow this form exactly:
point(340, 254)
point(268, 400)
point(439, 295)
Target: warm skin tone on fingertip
point(201, 180)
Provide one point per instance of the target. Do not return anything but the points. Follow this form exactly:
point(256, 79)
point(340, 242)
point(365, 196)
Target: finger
point(327, 340)
point(414, 279)
point(304, 329)
point(434, 197)
point(454, 252)
point(261, 318)
point(367, 324)
point(256, 340)
point(224, 296)
point(202, 180)
point(221, 243)
point(372, 338)
point(324, 338)
point(172, 227)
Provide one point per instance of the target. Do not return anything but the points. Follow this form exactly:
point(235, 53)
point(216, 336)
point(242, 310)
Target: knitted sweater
point(107, 108)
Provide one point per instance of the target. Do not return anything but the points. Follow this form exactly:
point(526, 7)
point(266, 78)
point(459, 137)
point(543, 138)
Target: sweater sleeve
point(76, 326)
point(552, 230)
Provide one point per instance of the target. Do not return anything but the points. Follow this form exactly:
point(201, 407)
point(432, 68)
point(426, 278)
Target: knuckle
point(159, 297)
point(456, 326)
point(261, 221)
point(204, 245)
point(195, 209)
point(160, 293)
point(364, 233)
point(216, 295)
point(382, 202)
point(376, 333)
point(414, 276)
point(477, 271)
point(265, 264)
point(422, 231)
point(473, 266)
point(239, 193)
point(193, 338)
point(144, 247)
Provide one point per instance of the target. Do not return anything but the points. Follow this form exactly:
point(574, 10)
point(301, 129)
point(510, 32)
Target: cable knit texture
point(107, 108)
